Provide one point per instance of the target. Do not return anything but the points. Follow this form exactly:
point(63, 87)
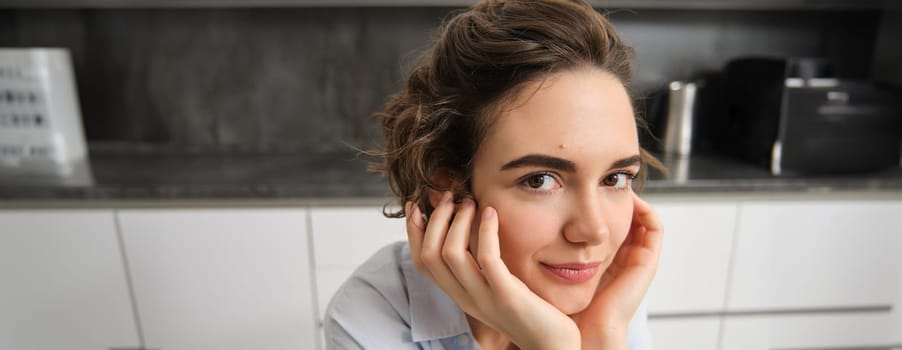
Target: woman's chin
point(572, 302)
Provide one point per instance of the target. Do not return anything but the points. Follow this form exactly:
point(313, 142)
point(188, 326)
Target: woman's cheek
point(524, 228)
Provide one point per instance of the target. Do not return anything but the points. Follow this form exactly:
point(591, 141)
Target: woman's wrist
point(568, 338)
point(608, 338)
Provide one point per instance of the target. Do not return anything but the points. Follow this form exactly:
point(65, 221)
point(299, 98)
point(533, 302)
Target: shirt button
point(463, 340)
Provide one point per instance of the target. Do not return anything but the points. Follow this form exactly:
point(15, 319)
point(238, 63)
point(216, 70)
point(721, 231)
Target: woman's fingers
point(435, 235)
point(652, 233)
point(488, 253)
point(416, 228)
point(430, 254)
point(642, 247)
point(455, 252)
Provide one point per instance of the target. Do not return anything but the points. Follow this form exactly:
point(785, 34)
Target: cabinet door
point(684, 333)
point(221, 278)
point(816, 255)
point(897, 306)
point(695, 257)
point(62, 282)
point(870, 330)
point(343, 238)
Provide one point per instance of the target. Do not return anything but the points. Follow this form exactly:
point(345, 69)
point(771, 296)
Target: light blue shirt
point(388, 304)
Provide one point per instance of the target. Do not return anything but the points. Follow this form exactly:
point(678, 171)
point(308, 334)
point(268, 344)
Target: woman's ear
point(445, 181)
point(442, 180)
point(434, 197)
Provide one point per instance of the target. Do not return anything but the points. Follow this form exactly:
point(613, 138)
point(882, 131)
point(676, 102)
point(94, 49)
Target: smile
point(572, 273)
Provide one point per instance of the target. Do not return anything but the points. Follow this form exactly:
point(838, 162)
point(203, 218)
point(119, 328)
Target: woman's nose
point(587, 221)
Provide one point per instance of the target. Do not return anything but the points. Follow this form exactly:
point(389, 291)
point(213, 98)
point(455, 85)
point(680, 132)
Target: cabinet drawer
point(692, 272)
point(805, 332)
point(221, 278)
point(802, 255)
point(684, 333)
point(62, 282)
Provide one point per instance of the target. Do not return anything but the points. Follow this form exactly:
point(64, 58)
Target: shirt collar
point(433, 314)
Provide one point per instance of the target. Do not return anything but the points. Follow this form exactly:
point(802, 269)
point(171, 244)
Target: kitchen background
point(299, 80)
point(225, 202)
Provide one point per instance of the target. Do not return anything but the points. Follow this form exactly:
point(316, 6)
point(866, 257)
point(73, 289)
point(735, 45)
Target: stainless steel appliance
point(679, 124)
point(794, 115)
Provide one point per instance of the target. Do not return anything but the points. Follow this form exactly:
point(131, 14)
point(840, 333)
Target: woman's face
point(557, 166)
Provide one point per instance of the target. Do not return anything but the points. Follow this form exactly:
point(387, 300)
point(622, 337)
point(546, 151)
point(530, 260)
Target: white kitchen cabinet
point(347, 236)
point(695, 258)
point(692, 273)
point(62, 282)
point(221, 278)
point(871, 330)
point(343, 238)
point(896, 322)
point(696, 333)
point(813, 255)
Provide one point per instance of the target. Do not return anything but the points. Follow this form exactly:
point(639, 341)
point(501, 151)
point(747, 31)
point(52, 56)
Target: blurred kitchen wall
point(293, 80)
point(887, 51)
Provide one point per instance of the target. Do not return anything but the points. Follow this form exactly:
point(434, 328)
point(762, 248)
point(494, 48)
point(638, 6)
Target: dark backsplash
point(296, 80)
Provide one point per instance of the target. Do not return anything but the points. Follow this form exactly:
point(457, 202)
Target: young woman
point(514, 146)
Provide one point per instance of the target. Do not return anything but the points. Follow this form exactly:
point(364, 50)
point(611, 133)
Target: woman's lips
point(572, 272)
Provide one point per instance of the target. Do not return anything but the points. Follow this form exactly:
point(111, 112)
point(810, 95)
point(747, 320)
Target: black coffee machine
point(795, 116)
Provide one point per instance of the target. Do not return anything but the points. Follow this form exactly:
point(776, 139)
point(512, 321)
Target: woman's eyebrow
point(542, 161)
point(625, 162)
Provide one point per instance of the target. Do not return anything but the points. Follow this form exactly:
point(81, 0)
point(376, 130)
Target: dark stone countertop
point(114, 175)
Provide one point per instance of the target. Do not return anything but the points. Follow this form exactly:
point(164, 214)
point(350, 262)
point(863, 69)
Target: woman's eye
point(540, 182)
point(618, 180)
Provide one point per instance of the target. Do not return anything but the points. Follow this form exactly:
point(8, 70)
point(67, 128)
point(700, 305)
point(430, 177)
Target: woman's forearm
point(605, 340)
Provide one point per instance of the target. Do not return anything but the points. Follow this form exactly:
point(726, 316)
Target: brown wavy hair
point(479, 61)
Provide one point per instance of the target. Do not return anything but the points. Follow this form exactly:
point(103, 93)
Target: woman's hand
point(603, 324)
point(486, 290)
